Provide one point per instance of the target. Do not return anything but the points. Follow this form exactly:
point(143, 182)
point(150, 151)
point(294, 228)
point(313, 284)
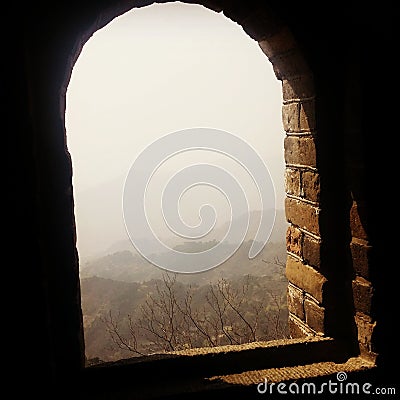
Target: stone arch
point(345, 258)
point(311, 303)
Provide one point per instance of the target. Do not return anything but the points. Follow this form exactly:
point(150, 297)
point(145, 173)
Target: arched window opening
point(164, 72)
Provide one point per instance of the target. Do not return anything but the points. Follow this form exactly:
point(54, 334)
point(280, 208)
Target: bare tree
point(276, 261)
point(171, 320)
point(124, 342)
point(238, 319)
point(274, 314)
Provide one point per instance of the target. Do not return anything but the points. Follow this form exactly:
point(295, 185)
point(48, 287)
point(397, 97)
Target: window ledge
point(212, 370)
point(295, 373)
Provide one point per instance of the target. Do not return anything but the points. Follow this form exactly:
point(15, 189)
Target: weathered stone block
point(298, 329)
point(292, 181)
point(310, 186)
point(360, 253)
point(312, 251)
point(260, 24)
point(294, 240)
point(307, 116)
point(279, 43)
point(304, 215)
point(358, 221)
point(290, 64)
point(297, 88)
point(295, 298)
point(315, 315)
point(365, 329)
point(291, 117)
point(306, 278)
point(362, 294)
point(300, 150)
point(299, 116)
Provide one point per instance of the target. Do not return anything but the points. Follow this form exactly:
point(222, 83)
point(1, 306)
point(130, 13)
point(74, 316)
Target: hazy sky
point(151, 72)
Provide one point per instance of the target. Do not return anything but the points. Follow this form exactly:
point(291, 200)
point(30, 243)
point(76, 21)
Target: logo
point(151, 160)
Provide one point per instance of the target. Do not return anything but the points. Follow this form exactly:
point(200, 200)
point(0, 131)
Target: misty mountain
point(130, 267)
point(120, 282)
point(277, 235)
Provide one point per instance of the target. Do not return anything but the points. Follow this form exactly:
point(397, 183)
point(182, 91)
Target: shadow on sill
point(218, 371)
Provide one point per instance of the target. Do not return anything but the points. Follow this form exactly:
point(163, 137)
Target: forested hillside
point(131, 307)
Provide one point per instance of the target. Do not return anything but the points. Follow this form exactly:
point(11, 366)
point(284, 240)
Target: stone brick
point(304, 215)
point(310, 186)
point(298, 329)
point(237, 11)
point(289, 64)
point(307, 116)
point(295, 298)
point(291, 117)
point(305, 277)
point(261, 24)
point(365, 330)
point(300, 150)
point(315, 315)
point(294, 240)
point(358, 222)
point(297, 88)
point(292, 181)
point(360, 253)
point(277, 44)
point(312, 251)
point(362, 294)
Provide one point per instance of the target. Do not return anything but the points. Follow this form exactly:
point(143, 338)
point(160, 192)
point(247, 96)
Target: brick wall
point(302, 184)
point(311, 299)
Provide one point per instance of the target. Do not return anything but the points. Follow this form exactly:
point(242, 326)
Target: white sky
point(153, 71)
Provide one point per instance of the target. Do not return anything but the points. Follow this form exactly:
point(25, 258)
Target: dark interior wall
point(340, 41)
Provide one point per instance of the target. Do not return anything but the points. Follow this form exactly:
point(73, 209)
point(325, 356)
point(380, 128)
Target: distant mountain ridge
point(126, 266)
point(277, 235)
point(119, 281)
